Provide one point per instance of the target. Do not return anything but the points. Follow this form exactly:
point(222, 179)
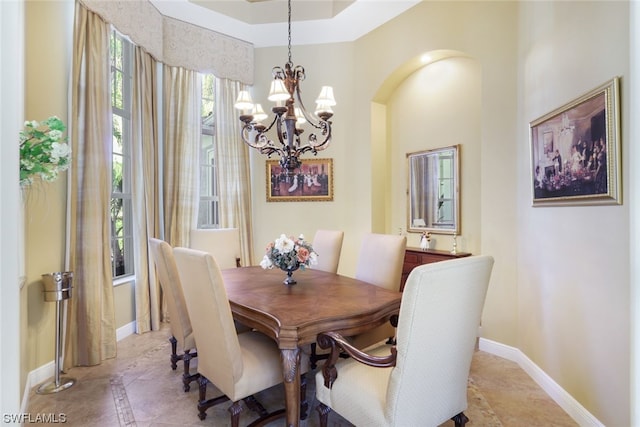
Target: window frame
point(124, 193)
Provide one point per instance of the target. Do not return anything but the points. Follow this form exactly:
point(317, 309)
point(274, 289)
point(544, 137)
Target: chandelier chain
point(287, 117)
point(289, 21)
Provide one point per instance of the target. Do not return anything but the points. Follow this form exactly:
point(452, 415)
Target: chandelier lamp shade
point(289, 113)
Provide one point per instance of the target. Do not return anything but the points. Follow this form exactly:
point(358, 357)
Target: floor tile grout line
point(121, 400)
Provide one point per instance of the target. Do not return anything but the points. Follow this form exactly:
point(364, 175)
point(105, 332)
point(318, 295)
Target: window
point(121, 216)
point(208, 212)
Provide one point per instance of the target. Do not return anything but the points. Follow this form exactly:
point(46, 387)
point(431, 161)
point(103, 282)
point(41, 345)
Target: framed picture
point(313, 181)
point(575, 151)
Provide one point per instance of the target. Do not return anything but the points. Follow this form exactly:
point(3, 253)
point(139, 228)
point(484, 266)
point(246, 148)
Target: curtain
point(146, 203)
point(90, 330)
point(233, 168)
point(180, 153)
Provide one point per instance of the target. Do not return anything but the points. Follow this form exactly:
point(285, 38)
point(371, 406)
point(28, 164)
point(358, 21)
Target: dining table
point(294, 315)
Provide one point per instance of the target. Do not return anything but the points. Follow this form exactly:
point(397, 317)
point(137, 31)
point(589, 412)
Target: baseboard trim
point(570, 405)
point(48, 370)
point(38, 375)
point(126, 330)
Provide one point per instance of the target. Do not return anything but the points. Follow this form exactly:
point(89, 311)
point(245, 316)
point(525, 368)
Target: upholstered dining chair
point(222, 243)
point(181, 331)
point(238, 365)
point(423, 379)
point(328, 245)
point(380, 263)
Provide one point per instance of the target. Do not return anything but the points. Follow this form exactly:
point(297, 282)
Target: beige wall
point(350, 211)
point(573, 262)
point(438, 106)
point(557, 316)
point(47, 64)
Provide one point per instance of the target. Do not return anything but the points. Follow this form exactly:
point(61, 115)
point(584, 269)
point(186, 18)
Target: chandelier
point(289, 113)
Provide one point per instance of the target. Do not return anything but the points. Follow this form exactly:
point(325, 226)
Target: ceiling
point(270, 11)
point(264, 22)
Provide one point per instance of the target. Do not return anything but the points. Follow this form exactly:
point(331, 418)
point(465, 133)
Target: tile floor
point(138, 388)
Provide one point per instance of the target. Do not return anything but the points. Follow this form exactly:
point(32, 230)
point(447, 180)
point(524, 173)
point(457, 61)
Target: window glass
point(121, 214)
point(208, 211)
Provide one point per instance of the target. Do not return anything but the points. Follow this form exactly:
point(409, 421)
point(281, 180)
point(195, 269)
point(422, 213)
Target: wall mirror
point(434, 195)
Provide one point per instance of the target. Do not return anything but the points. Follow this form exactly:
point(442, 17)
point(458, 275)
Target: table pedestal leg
point(291, 375)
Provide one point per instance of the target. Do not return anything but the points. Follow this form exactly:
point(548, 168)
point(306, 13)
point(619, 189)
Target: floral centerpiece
point(44, 151)
point(289, 254)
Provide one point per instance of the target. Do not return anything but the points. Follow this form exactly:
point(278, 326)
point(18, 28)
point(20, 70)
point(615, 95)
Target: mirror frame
point(455, 230)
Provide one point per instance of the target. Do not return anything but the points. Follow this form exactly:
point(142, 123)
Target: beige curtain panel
point(145, 150)
point(233, 168)
point(90, 328)
point(181, 143)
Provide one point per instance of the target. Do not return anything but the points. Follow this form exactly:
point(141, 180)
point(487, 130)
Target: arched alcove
point(430, 101)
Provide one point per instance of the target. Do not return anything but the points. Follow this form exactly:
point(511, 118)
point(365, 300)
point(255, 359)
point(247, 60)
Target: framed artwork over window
point(575, 151)
point(313, 181)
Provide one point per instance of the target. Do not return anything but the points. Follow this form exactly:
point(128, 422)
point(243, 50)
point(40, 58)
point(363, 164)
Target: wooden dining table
point(294, 315)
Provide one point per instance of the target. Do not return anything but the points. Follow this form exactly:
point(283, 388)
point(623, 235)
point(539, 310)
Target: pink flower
point(303, 254)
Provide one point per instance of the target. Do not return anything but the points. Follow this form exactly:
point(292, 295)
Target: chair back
point(180, 323)
point(328, 245)
point(222, 243)
point(219, 357)
point(437, 328)
point(380, 260)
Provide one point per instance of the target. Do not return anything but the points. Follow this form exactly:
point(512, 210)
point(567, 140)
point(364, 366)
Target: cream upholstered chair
point(380, 263)
point(423, 380)
point(239, 365)
point(222, 243)
point(182, 334)
point(328, 245)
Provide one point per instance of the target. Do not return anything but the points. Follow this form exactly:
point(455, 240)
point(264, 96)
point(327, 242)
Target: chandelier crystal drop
point(289, 112)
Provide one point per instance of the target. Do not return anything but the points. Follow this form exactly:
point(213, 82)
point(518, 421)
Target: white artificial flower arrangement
point(289, 253)
point(44, 151)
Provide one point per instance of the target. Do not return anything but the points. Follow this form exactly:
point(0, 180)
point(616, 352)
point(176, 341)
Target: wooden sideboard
point(414, 257)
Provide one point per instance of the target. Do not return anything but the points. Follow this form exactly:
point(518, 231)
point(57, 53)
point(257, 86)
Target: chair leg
point(304, 404)
point(187, 378)
point(323, 410)
point(174, 355)
point(235, 410)
point(460, 420)
point(202, 398)
point(203, 403)
point(253, 404)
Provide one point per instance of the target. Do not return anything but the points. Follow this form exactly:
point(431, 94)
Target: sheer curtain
point(233, 167)
point(145, 188)
point(181, 145)
point(90, 328)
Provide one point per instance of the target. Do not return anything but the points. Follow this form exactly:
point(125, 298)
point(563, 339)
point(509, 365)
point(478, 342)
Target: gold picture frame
point(575, 151)
point(312, 182)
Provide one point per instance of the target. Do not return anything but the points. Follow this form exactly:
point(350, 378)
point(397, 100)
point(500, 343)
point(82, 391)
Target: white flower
point(284, 244)
point(43, 150)
point(266, 262)
point(55, 134)
point(313, 258)
point(59, 150)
